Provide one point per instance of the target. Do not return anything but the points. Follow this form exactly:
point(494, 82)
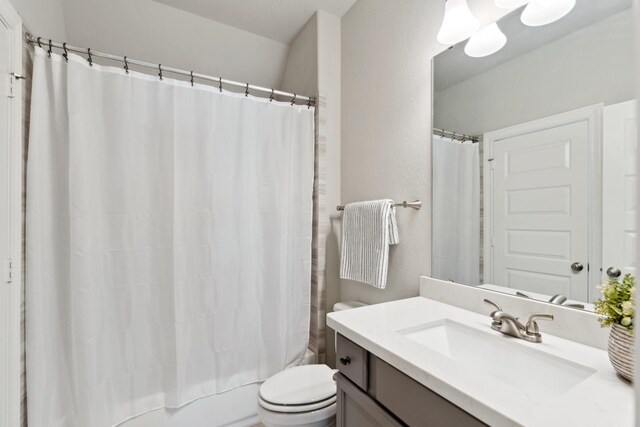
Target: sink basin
point(520, 365)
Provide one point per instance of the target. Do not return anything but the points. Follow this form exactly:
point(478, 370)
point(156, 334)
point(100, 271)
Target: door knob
point(613, 272)
point(577, 267)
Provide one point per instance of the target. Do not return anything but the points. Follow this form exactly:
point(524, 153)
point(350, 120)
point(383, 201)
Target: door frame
point(593, 116)
point(11, 269)
point(609, 199)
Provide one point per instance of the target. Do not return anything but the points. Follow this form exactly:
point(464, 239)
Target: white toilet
point(302, 396)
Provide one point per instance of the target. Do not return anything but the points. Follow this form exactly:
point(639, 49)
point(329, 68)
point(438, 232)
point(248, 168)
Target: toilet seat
point(286, 409)
point(299, 389)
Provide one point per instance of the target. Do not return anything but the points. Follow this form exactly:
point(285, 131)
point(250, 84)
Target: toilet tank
point(346, 305)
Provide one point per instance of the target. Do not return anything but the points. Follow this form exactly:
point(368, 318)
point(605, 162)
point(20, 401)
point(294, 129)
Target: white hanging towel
point(368, 228)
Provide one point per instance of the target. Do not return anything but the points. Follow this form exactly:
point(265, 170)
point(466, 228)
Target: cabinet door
point(412, 402)
point(356, 409)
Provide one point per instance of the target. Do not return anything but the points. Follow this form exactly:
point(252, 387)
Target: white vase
point(621, 351)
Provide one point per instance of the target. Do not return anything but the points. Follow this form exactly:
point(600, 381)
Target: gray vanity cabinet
point(356, 409)
point(372, 393)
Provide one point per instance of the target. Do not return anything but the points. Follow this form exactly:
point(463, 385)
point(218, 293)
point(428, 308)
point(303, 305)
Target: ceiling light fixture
point(510, 4)
point(543, 12)
point(458, 23)
point(485, 42)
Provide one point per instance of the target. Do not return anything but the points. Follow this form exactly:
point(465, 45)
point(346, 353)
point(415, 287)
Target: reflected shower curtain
point(456, 211)
point(168, 242)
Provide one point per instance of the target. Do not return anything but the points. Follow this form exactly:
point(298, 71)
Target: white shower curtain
point(168, 242)
point(456, 211)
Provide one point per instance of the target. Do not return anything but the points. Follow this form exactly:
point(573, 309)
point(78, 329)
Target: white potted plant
point(617, 309)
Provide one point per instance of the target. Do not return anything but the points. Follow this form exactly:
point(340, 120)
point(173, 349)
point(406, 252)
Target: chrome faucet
point(510, 325)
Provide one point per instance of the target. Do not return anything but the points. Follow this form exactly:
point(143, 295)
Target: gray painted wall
point(154, 32)
point(42, 17)
point(386, 109)
point(313, 66)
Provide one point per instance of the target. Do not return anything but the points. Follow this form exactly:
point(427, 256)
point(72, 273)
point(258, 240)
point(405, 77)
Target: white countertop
point(603, 399)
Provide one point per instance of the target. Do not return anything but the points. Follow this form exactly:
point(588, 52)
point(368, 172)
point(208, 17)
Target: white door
point(619, 183)
point(539, 208)
point(10, 181)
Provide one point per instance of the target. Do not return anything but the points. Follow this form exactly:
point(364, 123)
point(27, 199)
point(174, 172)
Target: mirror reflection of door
point(537, 206)
point(619, 189)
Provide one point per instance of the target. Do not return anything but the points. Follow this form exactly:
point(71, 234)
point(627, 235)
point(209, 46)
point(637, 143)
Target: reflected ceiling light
point(458, 23)
point(543, 12)
point(510, 4)
point(485, 42)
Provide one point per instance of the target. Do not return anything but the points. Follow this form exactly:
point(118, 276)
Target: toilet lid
point(300, 385)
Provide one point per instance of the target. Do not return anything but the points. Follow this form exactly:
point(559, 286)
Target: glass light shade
point(510, 4)
point(543, 12)
point(485, 42)
point(458, 23)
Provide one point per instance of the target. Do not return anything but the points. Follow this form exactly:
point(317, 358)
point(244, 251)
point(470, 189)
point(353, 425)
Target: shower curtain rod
point(49, 44)
point(454, 135)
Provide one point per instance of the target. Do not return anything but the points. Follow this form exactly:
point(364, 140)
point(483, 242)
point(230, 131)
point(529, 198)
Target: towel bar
point(416, 204)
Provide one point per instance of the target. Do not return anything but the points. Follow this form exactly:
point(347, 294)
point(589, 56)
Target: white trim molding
point(10, 296)
point(593, 116)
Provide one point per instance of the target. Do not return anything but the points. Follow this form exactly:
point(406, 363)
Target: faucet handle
point(558, 299)
point(532, 326)
point(497, 307)
point(495, 322)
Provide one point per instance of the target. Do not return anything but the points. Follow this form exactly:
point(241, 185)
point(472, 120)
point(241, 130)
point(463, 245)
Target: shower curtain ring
point(160, 71)
point(220, 84)
point(50, 48)
point(126, 65)
point(246, 90)
point(66, 53)
point(39, 44)
point(309, 103)
point(293, 101)
point(89, 58)
point(271, 96)
point(192, 79)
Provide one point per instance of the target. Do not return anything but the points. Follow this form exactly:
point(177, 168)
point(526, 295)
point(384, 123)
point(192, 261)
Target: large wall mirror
point(534, 157)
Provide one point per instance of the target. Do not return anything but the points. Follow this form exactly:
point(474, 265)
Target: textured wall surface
point(44, 17)
point(300, 74)
point(154, 32)
point(313, 67)
point(386, 113)
point(329, 46)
